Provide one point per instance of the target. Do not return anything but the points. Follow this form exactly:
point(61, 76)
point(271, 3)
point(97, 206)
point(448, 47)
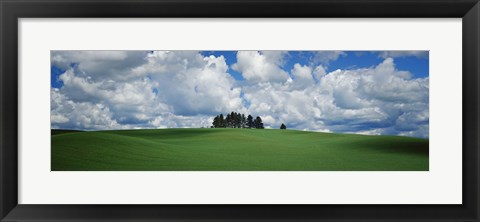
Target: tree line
point(237, 120)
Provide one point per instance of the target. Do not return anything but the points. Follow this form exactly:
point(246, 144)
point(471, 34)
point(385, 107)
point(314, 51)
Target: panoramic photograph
point(239, 110)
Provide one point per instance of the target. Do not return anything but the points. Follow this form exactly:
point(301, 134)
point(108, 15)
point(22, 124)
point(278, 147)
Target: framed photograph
point(224, 110)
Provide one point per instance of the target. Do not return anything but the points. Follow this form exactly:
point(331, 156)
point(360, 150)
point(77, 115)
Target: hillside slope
point(235, 149)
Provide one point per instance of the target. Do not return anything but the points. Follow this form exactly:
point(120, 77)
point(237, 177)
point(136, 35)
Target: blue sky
point(351, 60)
point(366, 92)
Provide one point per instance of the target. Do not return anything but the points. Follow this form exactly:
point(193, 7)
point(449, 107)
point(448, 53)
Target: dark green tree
point(238, 120)
point(228, 121)
point(216, 123)
point(258, 123)
point(243, 121)
point(233, 117)
point(221, 121)
point(250, 121)
point(283, 126)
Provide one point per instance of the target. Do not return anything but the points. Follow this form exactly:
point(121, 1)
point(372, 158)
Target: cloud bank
point(160, 89)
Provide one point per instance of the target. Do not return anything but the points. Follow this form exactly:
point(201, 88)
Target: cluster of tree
point(237, 120)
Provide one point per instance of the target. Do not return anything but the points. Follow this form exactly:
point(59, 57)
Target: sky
point(363, 92)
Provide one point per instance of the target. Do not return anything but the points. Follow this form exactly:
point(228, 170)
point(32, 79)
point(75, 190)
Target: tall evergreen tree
point(234, 122)
point(243, 122)
point(238, 120)
point(221, 121)
point(215, 123)
point(228, 121)
point(250, 121)
point(258, 123)
point(283, 126)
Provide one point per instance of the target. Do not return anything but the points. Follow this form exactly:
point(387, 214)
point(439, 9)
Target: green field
point(234, 150)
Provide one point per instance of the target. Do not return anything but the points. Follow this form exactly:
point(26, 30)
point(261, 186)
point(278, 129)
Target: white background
point(441, 185)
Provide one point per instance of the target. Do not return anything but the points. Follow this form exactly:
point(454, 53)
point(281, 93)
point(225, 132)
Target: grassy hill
point(235, 149)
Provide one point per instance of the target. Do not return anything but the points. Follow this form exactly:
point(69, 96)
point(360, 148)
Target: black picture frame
point(11, 11)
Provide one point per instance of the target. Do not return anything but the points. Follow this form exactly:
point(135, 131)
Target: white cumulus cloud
point(165, 89)
point(400, 53)
point(258, 66)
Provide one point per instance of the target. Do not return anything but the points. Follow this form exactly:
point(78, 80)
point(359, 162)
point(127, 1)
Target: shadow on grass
point(62, 131)
point(397, 145)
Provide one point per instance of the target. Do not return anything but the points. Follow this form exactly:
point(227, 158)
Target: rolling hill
point(234, 150)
